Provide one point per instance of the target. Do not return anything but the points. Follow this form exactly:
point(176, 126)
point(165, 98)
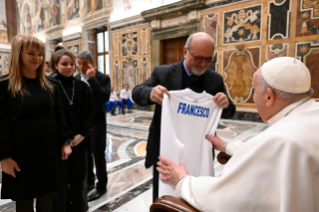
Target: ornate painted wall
point(38, 15)
point(249, 33)
point(130, 62)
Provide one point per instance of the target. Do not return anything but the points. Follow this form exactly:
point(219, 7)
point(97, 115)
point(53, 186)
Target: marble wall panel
point(307, 18)
point(308, 53)
point(211, 26)
point(130, 72)
point(3, 22)
point(116, 45)
point(239, 67)
point(129, 44)
point(278, 10)
point(4, 63)
point(74, 46)
point(242, 25)
point(144, 70)
point(277, 50)
point(144, 41)
point(116, 76)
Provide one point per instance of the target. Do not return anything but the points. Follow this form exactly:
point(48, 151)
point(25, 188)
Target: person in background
point(114, 101)
point(126, 97)
point(33, 131)
point(78, 106)
point(101, 86)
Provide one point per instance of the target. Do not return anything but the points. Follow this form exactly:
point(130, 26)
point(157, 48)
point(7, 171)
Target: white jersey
point(186, 118)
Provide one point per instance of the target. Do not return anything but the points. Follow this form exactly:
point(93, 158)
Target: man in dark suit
point(101, 88)
point(193, 73)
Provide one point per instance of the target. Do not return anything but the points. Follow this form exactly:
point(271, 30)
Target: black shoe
point(96, 194)
point(123, 112)
point(90, 187)
point(113, 114)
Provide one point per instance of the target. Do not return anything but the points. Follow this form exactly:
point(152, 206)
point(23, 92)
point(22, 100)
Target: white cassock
point(276, 171)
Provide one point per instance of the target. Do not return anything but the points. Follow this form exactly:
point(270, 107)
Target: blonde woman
point(32, 128)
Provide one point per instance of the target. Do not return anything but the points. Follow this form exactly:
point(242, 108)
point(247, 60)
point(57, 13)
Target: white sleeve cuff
point(233, 147)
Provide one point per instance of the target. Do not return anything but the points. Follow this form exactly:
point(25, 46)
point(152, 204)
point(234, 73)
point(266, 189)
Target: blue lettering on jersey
point(193, 110)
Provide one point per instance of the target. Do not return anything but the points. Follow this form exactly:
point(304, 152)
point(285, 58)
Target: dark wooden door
point(172, 50)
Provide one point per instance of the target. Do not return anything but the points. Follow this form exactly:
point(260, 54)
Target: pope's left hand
point(221, 100)
point(171, 172)
point(91, 72)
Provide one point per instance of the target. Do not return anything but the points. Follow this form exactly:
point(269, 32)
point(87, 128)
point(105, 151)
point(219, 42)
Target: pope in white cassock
point(277, 170)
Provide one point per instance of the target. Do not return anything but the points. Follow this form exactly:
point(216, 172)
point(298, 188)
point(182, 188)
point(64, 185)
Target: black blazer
point(170, 76)
point(101, 88)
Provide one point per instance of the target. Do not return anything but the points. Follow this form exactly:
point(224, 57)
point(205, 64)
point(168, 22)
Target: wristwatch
point(68, 142)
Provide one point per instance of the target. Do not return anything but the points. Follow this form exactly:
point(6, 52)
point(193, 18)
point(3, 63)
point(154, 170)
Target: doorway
point(172, 50)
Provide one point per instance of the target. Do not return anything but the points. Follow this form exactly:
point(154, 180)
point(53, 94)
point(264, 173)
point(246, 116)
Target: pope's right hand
point(8, 165)
point(157, 94)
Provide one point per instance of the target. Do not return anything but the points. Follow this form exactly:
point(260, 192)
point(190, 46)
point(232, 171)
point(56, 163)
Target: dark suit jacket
point(101, 88)
point(170, 76)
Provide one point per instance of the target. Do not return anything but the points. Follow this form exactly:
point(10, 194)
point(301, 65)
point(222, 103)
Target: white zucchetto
point(287, 74)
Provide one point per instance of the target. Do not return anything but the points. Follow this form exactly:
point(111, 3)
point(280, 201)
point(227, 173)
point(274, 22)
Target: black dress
point(32, 132)
point(79, 116)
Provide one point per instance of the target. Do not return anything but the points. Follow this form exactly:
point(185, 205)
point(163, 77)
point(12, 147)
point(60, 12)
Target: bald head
point(198, 52)
point(200, 38)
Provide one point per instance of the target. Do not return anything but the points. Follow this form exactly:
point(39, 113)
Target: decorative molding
point(144, 41)
point(54, 33)
point(71, 37)
point(126, 21)
point(173, 10)
point(174, 21)
point(90, 24)
point(116, 45)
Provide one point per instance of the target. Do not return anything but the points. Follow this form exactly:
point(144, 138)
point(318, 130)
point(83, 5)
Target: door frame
point(157, 35)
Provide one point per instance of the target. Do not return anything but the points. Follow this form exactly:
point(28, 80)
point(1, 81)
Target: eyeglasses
point(199, 59)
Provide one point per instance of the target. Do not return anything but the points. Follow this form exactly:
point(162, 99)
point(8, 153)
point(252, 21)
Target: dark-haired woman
point(78, 105)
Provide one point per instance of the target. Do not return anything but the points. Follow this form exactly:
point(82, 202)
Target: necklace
point(71, 101)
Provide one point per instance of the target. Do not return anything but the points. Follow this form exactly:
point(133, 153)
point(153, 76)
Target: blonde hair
point(16, 84)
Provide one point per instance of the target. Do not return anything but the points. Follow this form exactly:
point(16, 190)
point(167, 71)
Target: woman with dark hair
point(33, 128)
point(78, 105)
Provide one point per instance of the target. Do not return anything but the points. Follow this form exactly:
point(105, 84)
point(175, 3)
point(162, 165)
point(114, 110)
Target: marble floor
point(130, 184)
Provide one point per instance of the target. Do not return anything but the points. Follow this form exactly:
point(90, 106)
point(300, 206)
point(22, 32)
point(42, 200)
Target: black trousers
point(97, 150)
point(155, 182)
point(72, 194)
